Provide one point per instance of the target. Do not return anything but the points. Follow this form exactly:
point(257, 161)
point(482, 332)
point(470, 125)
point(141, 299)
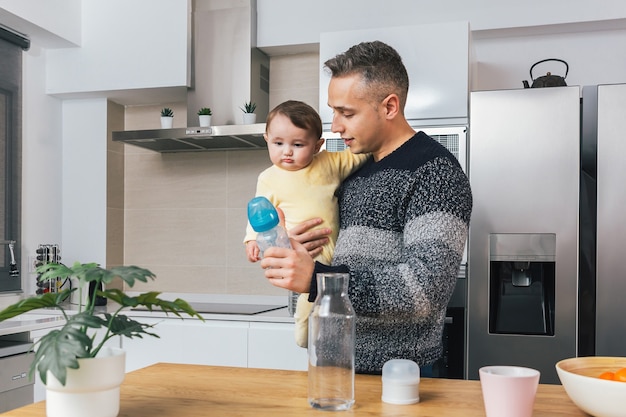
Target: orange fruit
point(607, 375)
point(620, 375)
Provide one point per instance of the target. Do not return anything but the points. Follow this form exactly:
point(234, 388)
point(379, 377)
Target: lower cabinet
point(40, 389)
point(273, 346)
point(212, 342)
point(192, 341)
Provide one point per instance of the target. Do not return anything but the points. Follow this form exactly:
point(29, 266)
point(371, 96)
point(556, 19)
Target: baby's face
point(290, 147)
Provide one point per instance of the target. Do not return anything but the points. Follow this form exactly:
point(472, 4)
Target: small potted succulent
point(204, 114)
point(73, 362)
point(249, 117)
point(167, 118)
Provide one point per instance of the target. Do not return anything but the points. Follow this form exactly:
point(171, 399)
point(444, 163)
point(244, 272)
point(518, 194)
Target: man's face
point(356, 117)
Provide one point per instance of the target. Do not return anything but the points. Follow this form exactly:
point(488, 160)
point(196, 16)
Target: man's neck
point(397, 136)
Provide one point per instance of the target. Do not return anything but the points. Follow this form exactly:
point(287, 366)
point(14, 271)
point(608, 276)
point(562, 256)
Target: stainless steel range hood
point(194, 139)
point(227, 71)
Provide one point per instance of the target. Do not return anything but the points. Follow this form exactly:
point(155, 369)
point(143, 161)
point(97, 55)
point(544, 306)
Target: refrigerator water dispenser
point(522, 284)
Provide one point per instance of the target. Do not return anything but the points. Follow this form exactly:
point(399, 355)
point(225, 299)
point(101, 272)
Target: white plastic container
point(401, 379)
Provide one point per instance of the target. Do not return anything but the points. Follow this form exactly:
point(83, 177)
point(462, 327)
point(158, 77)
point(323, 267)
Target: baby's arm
point(252, 251)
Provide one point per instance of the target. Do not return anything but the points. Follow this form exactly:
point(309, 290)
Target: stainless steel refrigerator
point(524, 270)
point(604, 150)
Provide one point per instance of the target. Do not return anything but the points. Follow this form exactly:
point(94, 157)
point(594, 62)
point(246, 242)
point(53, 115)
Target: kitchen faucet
point(13, 269)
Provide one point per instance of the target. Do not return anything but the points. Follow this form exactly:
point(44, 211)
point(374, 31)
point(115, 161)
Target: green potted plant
point(249, 117)
point(204, 114)
point(167, 118)
point(64, 355)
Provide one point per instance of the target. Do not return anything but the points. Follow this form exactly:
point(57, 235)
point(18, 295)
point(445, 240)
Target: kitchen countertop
point(276, 316)
point(173, 390)
point(30, 322)
point(48, 318)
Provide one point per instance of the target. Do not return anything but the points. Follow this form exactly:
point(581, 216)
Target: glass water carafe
point(331, 345)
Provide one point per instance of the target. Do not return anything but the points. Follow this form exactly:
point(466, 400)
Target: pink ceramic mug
point(509, 391)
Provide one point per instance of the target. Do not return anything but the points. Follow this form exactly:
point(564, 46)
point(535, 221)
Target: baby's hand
point(252, 251)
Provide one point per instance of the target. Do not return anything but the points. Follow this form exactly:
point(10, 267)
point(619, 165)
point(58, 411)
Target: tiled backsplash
point(185, 213)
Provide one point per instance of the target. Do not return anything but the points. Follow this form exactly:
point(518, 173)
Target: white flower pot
point(167, 122)
point(91, 390)
point(249, 118)
point(205, 120)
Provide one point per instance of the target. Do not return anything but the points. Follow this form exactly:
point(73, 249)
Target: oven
point(16, 388)
point(452, 362)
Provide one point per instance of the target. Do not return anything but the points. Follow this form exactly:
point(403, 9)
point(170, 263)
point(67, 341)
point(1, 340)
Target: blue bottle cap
point(261, 214)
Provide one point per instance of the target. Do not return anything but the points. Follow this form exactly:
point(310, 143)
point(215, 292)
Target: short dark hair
point(379, 65)
point(300, 114)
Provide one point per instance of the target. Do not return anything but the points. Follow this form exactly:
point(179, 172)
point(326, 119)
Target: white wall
point(84, 193)
point(48, 23)
point(596, 57)
point(124, 45)
point(42, 163)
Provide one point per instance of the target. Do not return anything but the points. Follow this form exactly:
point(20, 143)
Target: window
point(11, 45)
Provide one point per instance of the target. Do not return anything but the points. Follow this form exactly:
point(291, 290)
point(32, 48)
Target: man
point(404, 216)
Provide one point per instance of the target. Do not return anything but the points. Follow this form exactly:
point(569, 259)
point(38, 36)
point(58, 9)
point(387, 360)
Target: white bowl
point(595, 396)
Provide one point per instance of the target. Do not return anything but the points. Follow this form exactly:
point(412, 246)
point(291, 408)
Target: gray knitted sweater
point(403, 226)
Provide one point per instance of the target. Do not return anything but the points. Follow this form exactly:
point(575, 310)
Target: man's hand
point(289, 268)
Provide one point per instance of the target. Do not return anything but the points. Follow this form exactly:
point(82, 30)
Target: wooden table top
point(174, 390)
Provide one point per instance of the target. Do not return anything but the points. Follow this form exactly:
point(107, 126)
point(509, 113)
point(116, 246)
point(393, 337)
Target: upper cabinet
point(437, 58)
point(131, 47)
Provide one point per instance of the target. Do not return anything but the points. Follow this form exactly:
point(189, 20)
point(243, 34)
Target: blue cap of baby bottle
point(261, 214)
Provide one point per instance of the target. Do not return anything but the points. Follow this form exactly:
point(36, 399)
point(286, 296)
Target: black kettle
point(547, 80)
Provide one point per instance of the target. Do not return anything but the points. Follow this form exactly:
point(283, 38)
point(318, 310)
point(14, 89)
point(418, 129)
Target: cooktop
point(226, 308)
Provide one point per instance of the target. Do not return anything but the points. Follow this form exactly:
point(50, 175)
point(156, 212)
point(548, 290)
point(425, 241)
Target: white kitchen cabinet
point(215, 342)
point(272, 346)
point(211, 342)
point(40, 389)
point(437, 59)
point(99, 64)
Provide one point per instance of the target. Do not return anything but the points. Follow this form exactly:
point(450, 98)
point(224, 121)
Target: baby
point(302, 182)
